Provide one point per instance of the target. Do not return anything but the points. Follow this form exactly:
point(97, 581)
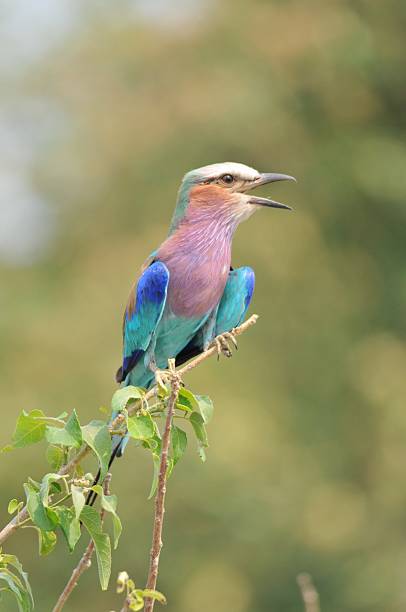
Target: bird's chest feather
point(197, 280)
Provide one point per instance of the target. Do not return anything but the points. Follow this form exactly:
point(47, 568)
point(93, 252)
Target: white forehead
point(238, 170)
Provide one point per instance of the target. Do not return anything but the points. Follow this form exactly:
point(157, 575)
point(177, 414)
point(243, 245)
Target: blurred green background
point(104, 106)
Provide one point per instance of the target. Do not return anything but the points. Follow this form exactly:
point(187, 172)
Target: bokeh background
point(103, 107)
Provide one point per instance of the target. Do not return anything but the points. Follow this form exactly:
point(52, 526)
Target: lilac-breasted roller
point(188, 293)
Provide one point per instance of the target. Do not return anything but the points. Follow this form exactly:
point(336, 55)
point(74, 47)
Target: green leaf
point(70, 525)
point(78, 499)
point(125, 395)
point(154, 443)
point(170, 466)
point(70, 435)
point(45, 518)
point(141, 427)
point(7, 448)
point(29, 429)
point(206, 407)
point(13, 561)
point(179, 443)
point(46, 541)
point(156, 461)
point(152, 594)
point(109, 503)
point(103, 555)
point(186, 401)
point(163, 391)
point(97, 436)
point(35, 485)
point(14, 505)
point(91, 520)
point(46, 483)
point(197, 422)
point(13, 587)
point(55, 457)
point(136, 601)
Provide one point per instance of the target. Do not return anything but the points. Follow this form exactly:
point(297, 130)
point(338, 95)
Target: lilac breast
point(197, 278)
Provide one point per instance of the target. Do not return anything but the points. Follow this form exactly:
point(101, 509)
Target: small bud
point(122, 580)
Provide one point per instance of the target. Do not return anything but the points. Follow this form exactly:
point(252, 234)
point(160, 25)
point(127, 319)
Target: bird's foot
point(223, 343)
point(163, 378)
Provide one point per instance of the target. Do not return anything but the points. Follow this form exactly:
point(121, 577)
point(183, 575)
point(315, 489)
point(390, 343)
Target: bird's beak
point(267, 202)
point(264, 179)
point(272, 177)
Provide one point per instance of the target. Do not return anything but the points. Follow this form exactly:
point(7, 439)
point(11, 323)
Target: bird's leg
point(168, 377)
point(160, 375)
point(222, 343)
point(230, 336)
point(160, 378)
point(163, 377)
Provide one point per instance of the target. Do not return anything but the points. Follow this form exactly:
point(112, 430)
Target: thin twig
point(15, 523)
point(84, 563)
point(310, 595)
point(213, 350)
point(156, 546)
point(160, 496)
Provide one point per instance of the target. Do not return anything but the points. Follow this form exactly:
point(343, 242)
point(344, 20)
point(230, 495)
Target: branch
point(84, 563)
point(310, 595)
point(156, 546)
point(15, 523)
point(160, 496)
point(237, 331)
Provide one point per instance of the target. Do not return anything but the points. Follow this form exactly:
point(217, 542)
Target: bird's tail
point(119, 444)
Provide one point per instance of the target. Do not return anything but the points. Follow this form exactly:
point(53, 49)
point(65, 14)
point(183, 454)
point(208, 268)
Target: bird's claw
point(166, 377)
point(232, 339)
point(161, 378)
point(222, 343)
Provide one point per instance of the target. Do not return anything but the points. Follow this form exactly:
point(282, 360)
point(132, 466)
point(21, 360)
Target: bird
point(188, 295)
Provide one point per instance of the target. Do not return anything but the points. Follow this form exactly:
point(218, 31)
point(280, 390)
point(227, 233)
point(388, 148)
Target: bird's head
point(226, 185)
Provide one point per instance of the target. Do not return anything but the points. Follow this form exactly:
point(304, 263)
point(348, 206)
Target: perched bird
point(188, 295)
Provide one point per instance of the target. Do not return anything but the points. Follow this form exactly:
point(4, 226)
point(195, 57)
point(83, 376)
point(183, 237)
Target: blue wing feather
point(235, 299)
point(142, 315)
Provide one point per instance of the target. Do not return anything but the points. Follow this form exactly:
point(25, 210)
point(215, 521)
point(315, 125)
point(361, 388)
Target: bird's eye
point(228, 179)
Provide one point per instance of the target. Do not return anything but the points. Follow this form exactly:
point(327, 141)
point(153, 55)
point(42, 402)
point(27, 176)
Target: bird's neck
point(199, 241)
point(210, 215)
point(205, 232)
point(198, 256)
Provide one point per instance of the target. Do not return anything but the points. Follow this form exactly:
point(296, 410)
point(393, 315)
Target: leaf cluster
point(14, 580)
point(135, 598)
point(56, 505)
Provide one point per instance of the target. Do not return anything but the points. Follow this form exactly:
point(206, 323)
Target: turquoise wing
point(142, 315)
point(233, 306)
point(235, 299)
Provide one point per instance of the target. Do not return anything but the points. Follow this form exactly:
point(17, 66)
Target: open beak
point(264, 179)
